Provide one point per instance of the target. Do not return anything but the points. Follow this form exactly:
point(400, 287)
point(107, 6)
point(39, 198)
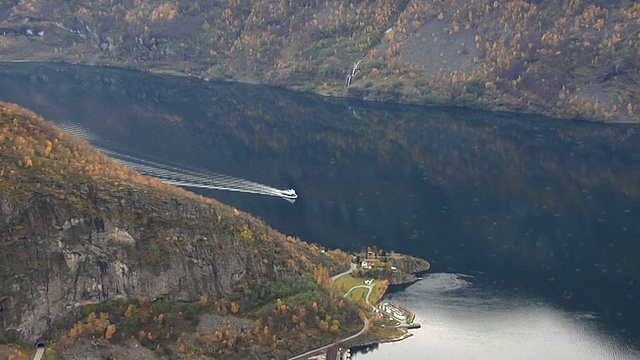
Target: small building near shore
point(394, 311)
point(368, 263)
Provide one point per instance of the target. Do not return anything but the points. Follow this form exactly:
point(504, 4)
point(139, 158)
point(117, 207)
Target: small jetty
point(414, 325)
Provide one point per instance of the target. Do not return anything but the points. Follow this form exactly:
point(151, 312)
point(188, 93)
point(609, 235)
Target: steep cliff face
point(66, 258)
point(76, 229)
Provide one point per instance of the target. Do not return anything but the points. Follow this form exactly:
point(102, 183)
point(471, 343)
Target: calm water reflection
point(464, 318)
point(541, 208)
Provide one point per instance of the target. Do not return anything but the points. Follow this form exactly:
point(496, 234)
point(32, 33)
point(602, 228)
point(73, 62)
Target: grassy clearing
point(346, 282)
point(377, 293)
point(357, 294)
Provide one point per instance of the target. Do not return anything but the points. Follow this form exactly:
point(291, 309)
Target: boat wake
point(446, 282)
point(178, 176)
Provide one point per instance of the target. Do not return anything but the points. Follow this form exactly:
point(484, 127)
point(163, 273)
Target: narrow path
point(370, 287)
point(359, 287)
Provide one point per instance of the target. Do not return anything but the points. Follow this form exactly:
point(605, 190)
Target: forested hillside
point(566, 58)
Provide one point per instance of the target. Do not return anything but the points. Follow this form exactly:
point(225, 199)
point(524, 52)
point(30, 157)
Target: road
point(323, 348)
point(351, 267)
point(370, 287)
point(39, 351)
point(365, 326)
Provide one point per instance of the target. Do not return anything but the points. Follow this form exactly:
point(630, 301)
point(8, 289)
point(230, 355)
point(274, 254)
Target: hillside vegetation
point(565, 58)
point(93, 253)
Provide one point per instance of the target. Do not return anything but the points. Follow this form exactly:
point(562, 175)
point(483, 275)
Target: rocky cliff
point(399, 269)
point(409, 264)
point(76, 229)
point(410, 269)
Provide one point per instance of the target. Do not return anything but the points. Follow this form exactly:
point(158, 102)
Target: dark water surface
point(543, 215)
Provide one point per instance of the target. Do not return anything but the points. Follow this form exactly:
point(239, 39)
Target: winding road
point(351, 267)
point(364, 326)
point(370, 287)
point(323, 348)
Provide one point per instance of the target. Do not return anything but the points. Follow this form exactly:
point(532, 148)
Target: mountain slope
point(565, 58)
point(77, 230)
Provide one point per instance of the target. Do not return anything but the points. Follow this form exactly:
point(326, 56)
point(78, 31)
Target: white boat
point(289, 194)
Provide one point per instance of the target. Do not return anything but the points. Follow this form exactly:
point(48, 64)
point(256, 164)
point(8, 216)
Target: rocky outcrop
point(410, 264)
point(409, 269)
point(399, 270)
point(65, 257)
point(100, 349)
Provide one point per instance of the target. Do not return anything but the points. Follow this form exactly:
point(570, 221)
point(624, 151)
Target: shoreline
point(388, 327)
point(170, 71)
point(405, 334)
point(404, 329)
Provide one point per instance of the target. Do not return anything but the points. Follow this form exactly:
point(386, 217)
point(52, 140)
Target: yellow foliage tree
point(102, 323)
point(111, 329)
point(335, 326)
point(129, 312)
point(143, 301)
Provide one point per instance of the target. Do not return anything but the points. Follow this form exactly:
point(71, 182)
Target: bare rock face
point(60, 254)
point(100, 349)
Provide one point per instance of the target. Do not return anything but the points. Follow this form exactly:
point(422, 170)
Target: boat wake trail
point(181, 177)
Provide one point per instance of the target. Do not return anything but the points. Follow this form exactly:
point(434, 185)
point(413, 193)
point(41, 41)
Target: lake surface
point(542, 216)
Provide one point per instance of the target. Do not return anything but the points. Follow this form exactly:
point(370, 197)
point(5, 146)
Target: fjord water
point(467, 318)
point(532, 225)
